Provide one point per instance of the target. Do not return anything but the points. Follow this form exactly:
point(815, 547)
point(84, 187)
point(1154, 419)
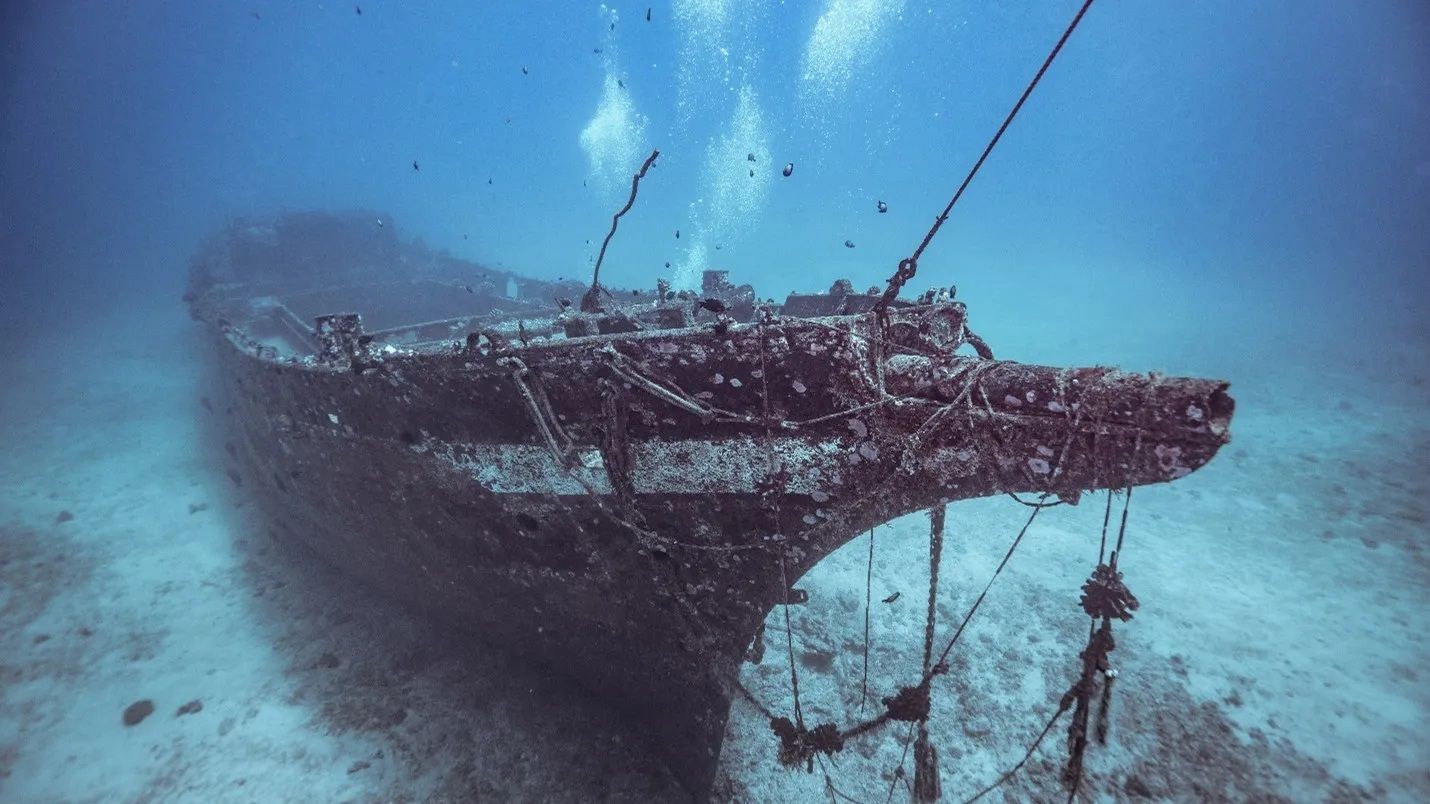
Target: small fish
point(752, 173)
point(789, 169)
point(209, 406)
point(525, 71)
point(849, 244)
point(489, 181)
point(719, 246)
point(379, 223)
point(464, 237)
point(595, 50)
point(620, 83)
point(468, 288)
point(883, 207)
point(667, 263)
point(358, 9)
point(647, 14)
point(635, 293)
point(416, 166)
point(712, 304)
point(564, 302)
point(750, 157)
point(677, 234)
point(613, 26)
point(255, 15)
point(892, 598)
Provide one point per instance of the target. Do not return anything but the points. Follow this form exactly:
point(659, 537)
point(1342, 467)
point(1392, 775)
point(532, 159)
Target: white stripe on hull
point(658, 467)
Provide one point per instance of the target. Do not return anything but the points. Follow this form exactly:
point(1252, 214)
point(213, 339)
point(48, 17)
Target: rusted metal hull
point(617, 506)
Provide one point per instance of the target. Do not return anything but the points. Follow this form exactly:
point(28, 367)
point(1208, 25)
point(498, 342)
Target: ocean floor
point(1281, 651)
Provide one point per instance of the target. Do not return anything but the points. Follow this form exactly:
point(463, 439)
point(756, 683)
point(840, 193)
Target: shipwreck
point(626, 494)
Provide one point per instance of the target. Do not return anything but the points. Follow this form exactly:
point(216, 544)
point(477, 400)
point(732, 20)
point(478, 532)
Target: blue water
point(1224, 188)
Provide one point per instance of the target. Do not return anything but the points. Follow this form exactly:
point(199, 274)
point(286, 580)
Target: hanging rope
point(926, 779)
point(910, 265)
point(1105, 598)
point(1122, 529)
point(868, 599)
point(937, 515)
point(1106, 517)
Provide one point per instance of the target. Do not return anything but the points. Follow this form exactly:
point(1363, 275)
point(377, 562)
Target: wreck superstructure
point(625, 494)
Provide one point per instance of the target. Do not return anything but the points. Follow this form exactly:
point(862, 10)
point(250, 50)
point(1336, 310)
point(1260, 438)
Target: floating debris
point(789, 169)
point(883, 207)
point(849, 244)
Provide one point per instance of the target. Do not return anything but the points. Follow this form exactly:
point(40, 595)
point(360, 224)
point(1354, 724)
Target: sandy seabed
point(1280, 652)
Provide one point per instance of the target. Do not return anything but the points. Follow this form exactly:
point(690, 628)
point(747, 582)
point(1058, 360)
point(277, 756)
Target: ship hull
point(634, 542)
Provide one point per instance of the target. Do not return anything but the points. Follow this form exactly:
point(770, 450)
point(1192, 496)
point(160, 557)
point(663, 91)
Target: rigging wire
point(943, 657)
point(910, 265)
